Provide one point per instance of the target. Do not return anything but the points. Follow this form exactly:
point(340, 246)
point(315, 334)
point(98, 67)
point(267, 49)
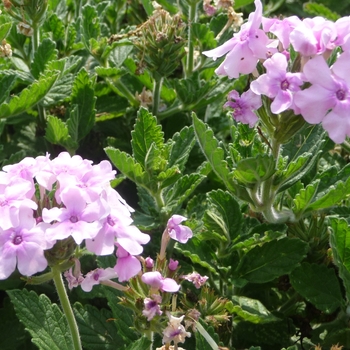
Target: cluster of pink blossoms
point(43, 201)
point(326, 99)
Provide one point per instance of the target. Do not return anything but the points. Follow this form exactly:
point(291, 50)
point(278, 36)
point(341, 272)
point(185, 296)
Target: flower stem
point(67, 309)
point(35, 45)
point(156, 95)
point(120, 89)
point(190, 48)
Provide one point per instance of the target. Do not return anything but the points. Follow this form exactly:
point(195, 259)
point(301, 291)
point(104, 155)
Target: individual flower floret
point(313, 36)
point(277, 83)
point(196, 279)
point(23, 245)
point(175, 331)
point(244, 106)
point(245, 48)
point(14, 193)
point(178, 232)
point(74, 276)
point(152, 307)
point(281, 28)
point(96, 277)
point(327, 100)
point(158, 282)
point(127, 265)
point(78, 219)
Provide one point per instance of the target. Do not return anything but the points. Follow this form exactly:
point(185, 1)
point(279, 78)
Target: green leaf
point(90, 24)
point(110, 72)
point(82, 113)
point(98, 329)
point(251, 171)
point(6, 82)
point(304, 197)
point(15, 337)
point(333, 196)
point(5, 30)
point(46, 52)
point(201, 342)
point(271, 260)
point(57, 27)
point(181, 190)
point(30, 96)
point(340, 244)
point(168, 95)
point(199, 252)
point(141, 344)
point(124, 317)
point(251, 310)
point(319, 285)
point(126, 165)
point(145, 133)
point(119, 52)
point(214, 154)
point(182, 144)
point(204, 35)
point(320, 10)
point(294, 172)
point(224, 215)
point(147, 5)
point(193, 90)
point(242, 3)
point(57, 133)
point(45, 322)
point(60, 92)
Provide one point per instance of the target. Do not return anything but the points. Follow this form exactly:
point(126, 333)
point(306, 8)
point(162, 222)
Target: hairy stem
point(190, 47)
point(156, 94)
point(67, 309)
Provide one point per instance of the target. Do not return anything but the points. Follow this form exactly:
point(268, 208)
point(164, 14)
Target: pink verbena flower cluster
point(44, 201)
point(321, 94)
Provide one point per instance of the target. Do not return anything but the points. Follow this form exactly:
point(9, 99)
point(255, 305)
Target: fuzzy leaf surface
point(318, 285)
point(45, 321)
point(46, 52)
point(82, 113)
point(97, 328)
point(145, 133)
point(29, 96)
point(252, 310)
point(271, 260)
point(214, 154)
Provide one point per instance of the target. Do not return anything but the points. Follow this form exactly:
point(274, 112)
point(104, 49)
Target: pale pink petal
point(127, 268)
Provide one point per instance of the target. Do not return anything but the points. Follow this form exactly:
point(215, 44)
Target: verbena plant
point(224, 222)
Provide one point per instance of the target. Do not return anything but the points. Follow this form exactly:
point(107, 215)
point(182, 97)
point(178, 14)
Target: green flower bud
point(60, 252)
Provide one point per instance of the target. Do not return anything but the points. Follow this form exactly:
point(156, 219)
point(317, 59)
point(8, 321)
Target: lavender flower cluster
point(321, 94)
point(43, 201)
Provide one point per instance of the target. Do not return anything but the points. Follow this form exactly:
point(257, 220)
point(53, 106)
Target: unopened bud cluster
point(161, 42)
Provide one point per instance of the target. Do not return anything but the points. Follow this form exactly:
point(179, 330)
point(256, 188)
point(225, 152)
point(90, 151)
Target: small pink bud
point(173, 264)
point(149, 263)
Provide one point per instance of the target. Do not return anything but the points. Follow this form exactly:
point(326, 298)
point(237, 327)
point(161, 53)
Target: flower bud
point(161, 43)
point(25, 29)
